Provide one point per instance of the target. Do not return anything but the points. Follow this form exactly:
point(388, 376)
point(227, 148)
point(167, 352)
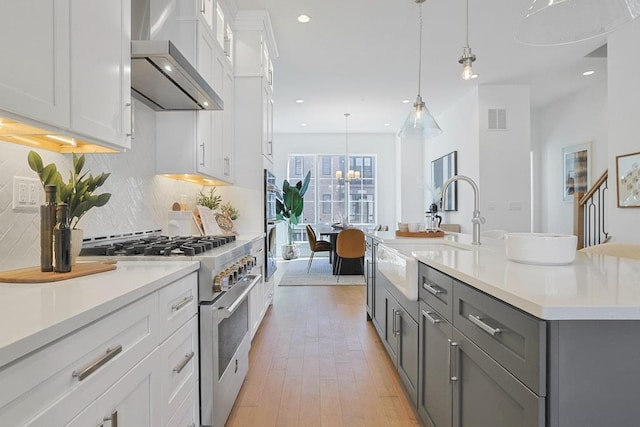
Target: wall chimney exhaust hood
point(163, 79)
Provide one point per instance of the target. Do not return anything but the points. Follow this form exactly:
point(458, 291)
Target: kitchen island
point(488, 341)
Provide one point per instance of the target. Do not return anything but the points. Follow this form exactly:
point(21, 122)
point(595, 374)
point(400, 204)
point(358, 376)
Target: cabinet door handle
point(476, 320)
point(398, 322)
point(180, 305)
point(202, 163)
point(227, 166)
point(181, 365)
point(393, 324)
point(94, 366)
point(430, 318)
point(435, 291)
point(203, 10)
point(452, 377)
point(113, 418)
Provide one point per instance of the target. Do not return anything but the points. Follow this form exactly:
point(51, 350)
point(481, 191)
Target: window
point(324, 202)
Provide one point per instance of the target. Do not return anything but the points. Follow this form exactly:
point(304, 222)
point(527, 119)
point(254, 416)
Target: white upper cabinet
point(100, 71)
point(67, 68)
point(203, 137)
point(255, 48)
point(34, 78)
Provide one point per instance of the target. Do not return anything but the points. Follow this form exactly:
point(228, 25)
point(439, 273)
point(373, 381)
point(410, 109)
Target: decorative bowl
point(541, 248)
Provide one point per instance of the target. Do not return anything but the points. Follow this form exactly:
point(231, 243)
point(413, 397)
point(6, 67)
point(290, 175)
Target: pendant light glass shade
point(555, 22)
point(420, 119)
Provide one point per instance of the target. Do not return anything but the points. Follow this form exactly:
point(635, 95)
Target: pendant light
point(467, 57)
point(420, 119)
point(555, 22)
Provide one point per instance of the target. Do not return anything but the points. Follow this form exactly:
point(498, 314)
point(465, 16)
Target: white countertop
point(594, 286)
point(33, 315)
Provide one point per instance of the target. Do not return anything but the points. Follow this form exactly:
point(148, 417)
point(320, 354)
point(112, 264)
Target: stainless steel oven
point(224, 350)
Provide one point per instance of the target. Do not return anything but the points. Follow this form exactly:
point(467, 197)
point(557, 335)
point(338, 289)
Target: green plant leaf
point(35, 161)
point(305, 185)
point(102, 199)
point(78, 163)
point(49, 175)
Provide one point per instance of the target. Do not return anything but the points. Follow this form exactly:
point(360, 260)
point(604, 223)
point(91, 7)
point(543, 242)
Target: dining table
point(349, 266)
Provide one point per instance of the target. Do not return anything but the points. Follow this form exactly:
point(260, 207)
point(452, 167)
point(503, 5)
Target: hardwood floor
point(316, 361)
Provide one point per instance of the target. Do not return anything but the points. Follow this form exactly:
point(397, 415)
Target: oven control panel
point(228, 277)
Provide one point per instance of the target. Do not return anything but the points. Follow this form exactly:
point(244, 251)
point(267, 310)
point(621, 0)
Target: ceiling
point(361, 57)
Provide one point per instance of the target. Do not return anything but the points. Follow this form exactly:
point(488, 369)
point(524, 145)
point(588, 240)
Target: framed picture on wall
point(628, 179)
point(441, 170)
point(576, 168)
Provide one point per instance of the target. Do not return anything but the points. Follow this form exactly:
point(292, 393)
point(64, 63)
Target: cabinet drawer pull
point(432, 289)
point(85, 372)
point(476, 320)
point(113, 418)
point(397, 331)
point(181, 365)
point(178, 306)
point(429, 317)
point(452, 377)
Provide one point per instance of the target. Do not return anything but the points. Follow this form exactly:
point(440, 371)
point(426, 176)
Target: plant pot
point(290, 252)
point(76, 243)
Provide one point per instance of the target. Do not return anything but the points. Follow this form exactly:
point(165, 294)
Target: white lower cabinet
point(119, 370)
point(188, 414)
point(179, 367)
point(131, 401)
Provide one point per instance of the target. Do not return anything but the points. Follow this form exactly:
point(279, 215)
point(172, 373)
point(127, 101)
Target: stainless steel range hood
point(163, 79)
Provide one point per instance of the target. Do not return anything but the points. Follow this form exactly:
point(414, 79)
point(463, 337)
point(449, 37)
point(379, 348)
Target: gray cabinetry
point(481, 362)
point(400, 338)
point(370, 275)
point(486, 394)
point(434, 380)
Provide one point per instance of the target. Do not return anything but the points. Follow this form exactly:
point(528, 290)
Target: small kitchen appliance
point(433, 220)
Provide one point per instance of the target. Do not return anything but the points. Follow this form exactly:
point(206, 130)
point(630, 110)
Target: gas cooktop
point(154, 245)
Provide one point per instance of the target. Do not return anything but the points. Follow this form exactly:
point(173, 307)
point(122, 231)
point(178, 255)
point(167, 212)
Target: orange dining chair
point(350, 244)
point(316, 245)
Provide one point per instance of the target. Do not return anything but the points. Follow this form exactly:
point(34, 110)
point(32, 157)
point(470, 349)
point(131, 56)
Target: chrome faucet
point(477, 219)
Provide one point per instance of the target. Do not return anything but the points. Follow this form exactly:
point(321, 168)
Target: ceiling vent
point(497, 119)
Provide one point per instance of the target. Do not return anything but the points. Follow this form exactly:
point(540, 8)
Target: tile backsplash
point(140, 199)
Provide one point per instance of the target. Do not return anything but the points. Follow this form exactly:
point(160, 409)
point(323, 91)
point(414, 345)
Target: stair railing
point(589, 214)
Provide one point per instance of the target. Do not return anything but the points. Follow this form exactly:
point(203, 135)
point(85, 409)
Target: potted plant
point(77, 193)
point(289, 209)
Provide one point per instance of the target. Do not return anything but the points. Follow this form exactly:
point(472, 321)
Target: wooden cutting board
point(34, 275)
point(438, 233)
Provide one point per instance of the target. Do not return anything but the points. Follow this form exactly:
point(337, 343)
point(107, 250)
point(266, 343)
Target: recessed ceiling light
point(406, 101)
point(206, 104)
point(387, 124)
point(303, 19)
point(299, 101)
point(588, 73)
point(303, 124)
point(474, 76)
point(168, 68)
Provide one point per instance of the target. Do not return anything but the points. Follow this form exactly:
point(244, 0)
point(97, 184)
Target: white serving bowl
point(541, 248)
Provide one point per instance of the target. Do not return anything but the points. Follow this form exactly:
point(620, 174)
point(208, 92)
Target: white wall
point(504, 157)
point(459, 133)
point(410, 179)
point(624, 122)
point(575, 119)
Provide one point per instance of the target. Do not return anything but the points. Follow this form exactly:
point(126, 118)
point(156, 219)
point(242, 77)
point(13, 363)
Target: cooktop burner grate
point(157, 245)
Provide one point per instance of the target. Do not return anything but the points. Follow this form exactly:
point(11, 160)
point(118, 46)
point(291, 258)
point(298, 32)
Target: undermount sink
point(399, 266)
point(541, 248)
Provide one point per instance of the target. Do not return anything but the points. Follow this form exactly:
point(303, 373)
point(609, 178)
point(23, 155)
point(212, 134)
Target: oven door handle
point(224, 312)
